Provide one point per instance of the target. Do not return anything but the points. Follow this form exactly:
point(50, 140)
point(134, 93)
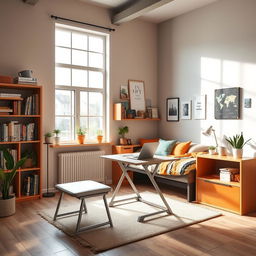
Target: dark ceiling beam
point(137, 9)
point(31, 2)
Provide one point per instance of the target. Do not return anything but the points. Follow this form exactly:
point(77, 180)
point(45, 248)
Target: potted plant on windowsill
point(237, 142)
point(122, 131)
point(7, 201)
point(56, 138)
point(48, 138)
point(81, 135)
point(99, 136)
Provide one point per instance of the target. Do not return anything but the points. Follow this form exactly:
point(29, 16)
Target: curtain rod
point(84, 23)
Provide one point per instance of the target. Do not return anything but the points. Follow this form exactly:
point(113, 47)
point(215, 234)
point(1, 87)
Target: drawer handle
point(217, 183)
point(128, 148)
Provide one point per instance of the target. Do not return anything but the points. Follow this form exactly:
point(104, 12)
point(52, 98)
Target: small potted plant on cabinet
point(81, 135)
point(99, 136)
point(212, 150)
point(237, 142)
point(56, 138)
point(48, 138)
point(122, 131)
point(7, 200)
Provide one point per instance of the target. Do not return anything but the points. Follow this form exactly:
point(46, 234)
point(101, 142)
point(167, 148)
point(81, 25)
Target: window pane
point(83, 103)
point(84, 123)
point(79, 58)
point(95, 79)
point(96, 60)
point(64, 102)
point(79, 41)
point(62, 55)
point(95, 123)
point(95, 44)
point(62, 76)
point(95, 104)
point(65, 124)
point(79, 77)
point(63, 38)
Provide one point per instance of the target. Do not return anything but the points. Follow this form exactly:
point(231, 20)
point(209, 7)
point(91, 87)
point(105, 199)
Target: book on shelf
point(30, 185)
point(15, 131)
point(5, 111)
point(25, 80)
point(9, 95)
point(32, 105)
point(14, 154)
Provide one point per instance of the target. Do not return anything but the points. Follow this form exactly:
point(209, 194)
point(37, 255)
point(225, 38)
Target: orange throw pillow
point(142, 141)
point(181, 148)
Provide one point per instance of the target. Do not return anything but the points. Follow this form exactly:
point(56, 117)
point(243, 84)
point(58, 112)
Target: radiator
point(76, 166)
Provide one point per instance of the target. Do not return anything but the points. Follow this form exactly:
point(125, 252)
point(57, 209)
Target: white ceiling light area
point(174, 8)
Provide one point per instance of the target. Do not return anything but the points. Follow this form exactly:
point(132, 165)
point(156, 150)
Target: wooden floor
point(27, 234)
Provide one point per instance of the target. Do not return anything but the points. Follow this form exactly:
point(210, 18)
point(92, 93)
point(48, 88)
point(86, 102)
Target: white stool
point(82, 190)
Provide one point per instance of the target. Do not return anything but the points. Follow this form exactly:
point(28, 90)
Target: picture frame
point(200, 107)
point(137, 95)
point(172, 109)
point(124, 92)
point(247, 103)
point(227, 103)
point(186, 110)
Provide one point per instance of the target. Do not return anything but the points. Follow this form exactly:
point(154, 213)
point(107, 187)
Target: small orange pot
point(99, 138)
point(80, 139)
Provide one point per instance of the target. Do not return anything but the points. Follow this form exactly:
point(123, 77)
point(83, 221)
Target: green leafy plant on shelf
point(56, 132)
point(237, 141)
point(81, 131)
point(122, 131)
point(6, 177)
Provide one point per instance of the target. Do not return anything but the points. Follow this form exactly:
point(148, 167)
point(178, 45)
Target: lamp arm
point(215, 138)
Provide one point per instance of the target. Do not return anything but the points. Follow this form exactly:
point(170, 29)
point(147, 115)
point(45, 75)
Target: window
point(80, 82)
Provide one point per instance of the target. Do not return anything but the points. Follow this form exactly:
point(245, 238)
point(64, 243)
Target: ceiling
point(157, 15)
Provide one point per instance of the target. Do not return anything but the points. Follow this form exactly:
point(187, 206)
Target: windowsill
point(74, 144)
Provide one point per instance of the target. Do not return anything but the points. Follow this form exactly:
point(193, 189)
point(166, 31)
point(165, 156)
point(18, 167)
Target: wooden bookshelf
point(23, 146)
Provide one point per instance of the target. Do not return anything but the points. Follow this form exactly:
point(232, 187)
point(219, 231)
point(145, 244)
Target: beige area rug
point(126, 228)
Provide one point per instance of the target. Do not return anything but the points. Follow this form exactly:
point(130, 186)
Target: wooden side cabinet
point(116, 170)
point(235, 196)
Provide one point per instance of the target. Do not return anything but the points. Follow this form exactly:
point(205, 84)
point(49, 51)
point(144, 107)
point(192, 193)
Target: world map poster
point(227, 103)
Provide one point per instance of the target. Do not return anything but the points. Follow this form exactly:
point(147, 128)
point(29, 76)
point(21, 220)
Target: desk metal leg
point(124, 174)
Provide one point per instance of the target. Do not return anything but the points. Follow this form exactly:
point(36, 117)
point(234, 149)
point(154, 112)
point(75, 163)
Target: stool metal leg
point(107, 209)
point(58, 206)
point(80, 215)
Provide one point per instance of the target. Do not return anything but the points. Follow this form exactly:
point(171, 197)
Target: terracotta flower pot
point(123, 141)
point(99, 138)
point(80, 139)
point(7, 207)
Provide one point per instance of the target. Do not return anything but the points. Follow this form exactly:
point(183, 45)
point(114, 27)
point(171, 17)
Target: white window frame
point(76, 90)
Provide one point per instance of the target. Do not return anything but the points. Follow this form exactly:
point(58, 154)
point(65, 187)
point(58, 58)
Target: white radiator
point(76, 166)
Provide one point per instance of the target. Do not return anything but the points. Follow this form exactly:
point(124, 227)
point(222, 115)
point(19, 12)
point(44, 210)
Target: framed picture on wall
point(227, 103)
point(185, 110)
point(137, 95)
point(124, 94)
point(200, 107)
point(172, 109)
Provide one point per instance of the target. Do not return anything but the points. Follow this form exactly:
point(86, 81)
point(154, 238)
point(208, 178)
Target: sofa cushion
point(181, 148)
point(197, 148)
point(165, 147)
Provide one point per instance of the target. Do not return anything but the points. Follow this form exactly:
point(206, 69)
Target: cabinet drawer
point(125, 150)
point(227, 197)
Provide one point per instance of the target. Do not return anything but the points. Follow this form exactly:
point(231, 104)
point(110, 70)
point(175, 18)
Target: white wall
point(209, 48)
point(27, 42)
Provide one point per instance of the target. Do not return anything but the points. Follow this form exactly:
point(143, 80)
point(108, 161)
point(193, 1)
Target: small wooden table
point(127, 163)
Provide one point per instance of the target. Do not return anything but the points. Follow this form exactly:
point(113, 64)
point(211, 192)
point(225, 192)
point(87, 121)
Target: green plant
point(99, 132)
point(56, 132)
point(48, 134)
point(81, 131)
point(7, 177)
point(237, 141)
point(211, 148)
point(123, 130)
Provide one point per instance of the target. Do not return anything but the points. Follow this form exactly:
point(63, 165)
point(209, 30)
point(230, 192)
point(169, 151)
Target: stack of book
point(32, 105)
point(228, 174)
point(5, 111)
point(31, 185)
point(16, 107)
point(15, 131)
point(25, 80)
point(2, 160)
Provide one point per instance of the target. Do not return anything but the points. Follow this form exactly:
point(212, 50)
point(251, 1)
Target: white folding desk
point(129, 164)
